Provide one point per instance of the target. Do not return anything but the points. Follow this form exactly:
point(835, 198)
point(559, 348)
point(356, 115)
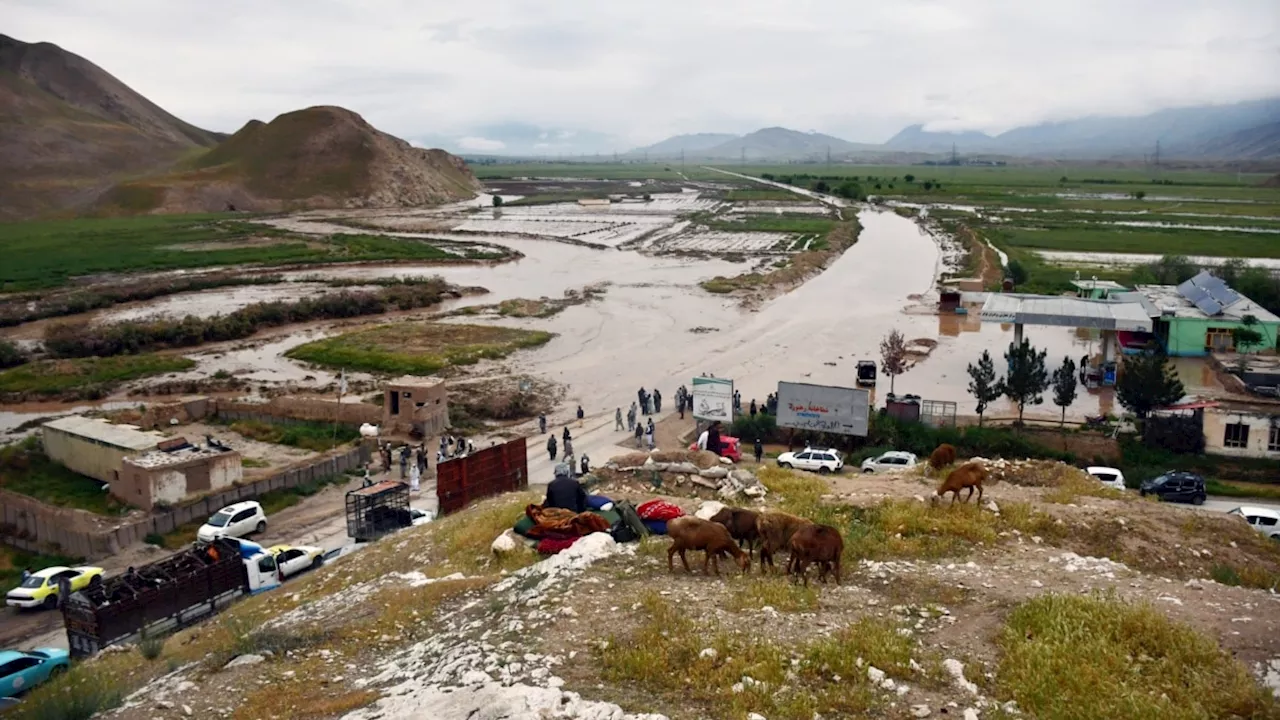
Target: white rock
point(875, 674)
point(186, 710)
point(755, 716)
point(708, 654)
point(993, 507)
point(970, 714)
point(955, 669)
point(246, 659)
point(475, 677)
point(505, 543)
point(920, 711)
point(714, 473)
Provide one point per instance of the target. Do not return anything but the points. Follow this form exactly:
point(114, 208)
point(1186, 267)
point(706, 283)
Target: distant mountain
point(1239, 131)
point(778, 143)
point(525, 140)
point(68, 129)
point(694, 142)
point(320, 157)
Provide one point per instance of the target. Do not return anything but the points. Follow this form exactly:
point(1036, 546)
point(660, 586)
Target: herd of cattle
point(809, 543)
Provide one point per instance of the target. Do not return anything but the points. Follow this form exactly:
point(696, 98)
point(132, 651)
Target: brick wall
point(287, 409)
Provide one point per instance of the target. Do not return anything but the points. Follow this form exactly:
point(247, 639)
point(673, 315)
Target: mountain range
point(74, 139)
point(1241, 131)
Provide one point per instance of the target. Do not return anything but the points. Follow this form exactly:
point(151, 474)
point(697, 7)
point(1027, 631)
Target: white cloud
point(479, 143)
point(859, 69)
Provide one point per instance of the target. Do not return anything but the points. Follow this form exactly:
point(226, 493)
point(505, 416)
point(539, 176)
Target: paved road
point(1218, 503)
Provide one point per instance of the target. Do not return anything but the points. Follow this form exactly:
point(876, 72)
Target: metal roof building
point(1064, 311)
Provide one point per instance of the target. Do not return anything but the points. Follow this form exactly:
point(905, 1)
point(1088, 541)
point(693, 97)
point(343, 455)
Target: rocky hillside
point(320, 157)
point(68, 129)
point(1053, 598)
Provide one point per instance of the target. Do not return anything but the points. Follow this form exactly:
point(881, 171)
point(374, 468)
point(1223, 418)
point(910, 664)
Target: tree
point(11, 354)
point(821, 186)
point(1148, 382)
point(927, 185)
point(1140, 194)
point(1027, 377)
point(1064, 387)
point(849, 189)
point(893, 356)
point(984, 386)
point(1063, 179)
point(497, 201)
point(1017, 273)
point(1246, 337)
point(909, 178)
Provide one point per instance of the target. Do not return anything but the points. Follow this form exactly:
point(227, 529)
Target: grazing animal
point(942, 456)
point(775, 529)
point(741, 524)
point(694, 533)
point(812, 543)
point(969, 475)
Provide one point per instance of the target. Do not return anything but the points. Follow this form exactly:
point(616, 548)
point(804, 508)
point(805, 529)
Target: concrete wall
point(31, 525)
point(285, 410)
point(1187, 335)
point(1215, 429)
point(95, 460)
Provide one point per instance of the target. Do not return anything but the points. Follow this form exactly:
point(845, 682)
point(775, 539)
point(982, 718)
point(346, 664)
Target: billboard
point(713, 399)
point(823, 408)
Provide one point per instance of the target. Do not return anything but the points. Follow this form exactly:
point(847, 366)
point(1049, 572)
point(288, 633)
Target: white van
point(234, 521)
point(1264, 520)
point(1108, 476)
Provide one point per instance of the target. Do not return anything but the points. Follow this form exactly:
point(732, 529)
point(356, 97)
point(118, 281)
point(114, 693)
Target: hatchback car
point(892, 461)
point(293, 559)
point(21, 670)
point(1110, 477)
point(1176, 486)
point(40, 589)
point(821, 461)
point(238, 520)
point(1264, 520)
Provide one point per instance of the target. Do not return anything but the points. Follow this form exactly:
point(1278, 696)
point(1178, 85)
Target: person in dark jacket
point(567, 436)
point(542, 424)
point(759, 446)
point(713, 437)
point(565, 492)
point(580, 415)
point(551, 447)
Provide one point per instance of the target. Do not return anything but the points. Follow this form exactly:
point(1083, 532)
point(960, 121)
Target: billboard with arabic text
point(713, 399)
point(823, 408)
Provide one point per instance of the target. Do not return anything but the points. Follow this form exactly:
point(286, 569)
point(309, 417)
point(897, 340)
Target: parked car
point(236, 520)
point(1176, 486)
point(421, 517)
point(21, 670)
point(821, 461)
point(730, 447)
point(1264, 520)
point(891, 461)
point(1108, 476)
point(293, 559)
point(41, 588)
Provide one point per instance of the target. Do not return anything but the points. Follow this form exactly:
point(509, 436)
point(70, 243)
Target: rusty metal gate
point(495, 470)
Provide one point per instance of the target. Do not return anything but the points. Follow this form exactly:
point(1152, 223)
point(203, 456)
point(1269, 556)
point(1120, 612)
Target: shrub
point(154, 539)
point(151, 646)
point(11, 355)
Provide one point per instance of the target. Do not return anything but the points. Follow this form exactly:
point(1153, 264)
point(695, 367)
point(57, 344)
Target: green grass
point(50, 253)
point(1242, 489)
point(1134, 240)
point(86, 375)
point(1095, 657)
point(305, 435)
point(417, 348)
point(25, 469)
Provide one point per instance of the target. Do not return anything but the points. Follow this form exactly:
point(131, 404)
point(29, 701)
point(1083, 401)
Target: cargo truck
point(378, 509)
point(168, 594)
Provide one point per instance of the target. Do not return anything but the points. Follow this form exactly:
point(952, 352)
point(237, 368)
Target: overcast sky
point(640, 71)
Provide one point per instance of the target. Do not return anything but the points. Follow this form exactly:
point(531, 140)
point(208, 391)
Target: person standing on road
point(639, 433)
point(759, 448)
point(649, 435)
point(617, 420)
point(631, 418)
point(568, 449)
point(542, 424)
point(415, 478)
point(641, 395)
point(367, 480)
point(657, 401)
point(753, 407)
point(551, 447)
point(586, 464)
point(581, 415)
point(567, 436)
point(404, 462)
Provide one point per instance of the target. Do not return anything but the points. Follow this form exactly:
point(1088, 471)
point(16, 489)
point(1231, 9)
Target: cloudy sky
point(597, 75)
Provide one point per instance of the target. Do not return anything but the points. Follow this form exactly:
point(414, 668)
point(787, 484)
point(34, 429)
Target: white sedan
point(293, 559)
point(821, 461)
point(892, 461)
point(1264, 520)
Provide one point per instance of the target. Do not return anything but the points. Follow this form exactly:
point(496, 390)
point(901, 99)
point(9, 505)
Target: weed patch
point(778, 593)
point(25, 469)
point(84, 378)
point(417, 348)
point(315, 436)
point(1073, 657)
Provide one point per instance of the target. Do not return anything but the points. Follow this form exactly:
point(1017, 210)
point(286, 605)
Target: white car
point(1110, 477)
point(1264, 520)
point(237, 520)
point(822, 461)
point(892, 461)
point(293, 559)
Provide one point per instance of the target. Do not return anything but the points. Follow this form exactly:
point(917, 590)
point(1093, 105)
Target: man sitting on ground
point(566, 492)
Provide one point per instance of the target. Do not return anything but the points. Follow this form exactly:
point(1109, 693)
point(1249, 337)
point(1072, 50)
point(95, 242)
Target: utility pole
point(682, 158)
point(1157, 154)
point(646, 157)
point(828, 157)
point(954, 159)
point(744, 155)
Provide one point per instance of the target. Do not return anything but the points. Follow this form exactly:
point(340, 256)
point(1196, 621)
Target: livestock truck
point(378, 509)
point(168, 594)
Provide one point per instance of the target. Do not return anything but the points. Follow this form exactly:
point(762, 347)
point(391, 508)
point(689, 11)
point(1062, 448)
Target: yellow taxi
point(40, 589)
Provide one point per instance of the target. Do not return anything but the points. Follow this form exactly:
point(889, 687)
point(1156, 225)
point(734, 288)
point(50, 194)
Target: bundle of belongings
point(655, 514)
point(555, 529)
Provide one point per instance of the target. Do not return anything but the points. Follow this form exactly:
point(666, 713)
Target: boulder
point(507, 542)
point(246, 659)
point(708, 509)
point(704, 482)
point(684, 468)
point(714, 473)
point(745, 477)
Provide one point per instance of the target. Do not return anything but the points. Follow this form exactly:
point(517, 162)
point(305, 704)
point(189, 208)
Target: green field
point(1138, 240)
point(86, 375)
point(417, 348)
point(44, 254)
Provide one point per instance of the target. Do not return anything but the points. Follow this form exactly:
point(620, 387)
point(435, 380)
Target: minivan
point(1176, 486)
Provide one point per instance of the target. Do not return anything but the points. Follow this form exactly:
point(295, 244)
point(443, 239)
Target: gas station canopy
point(1065, 311)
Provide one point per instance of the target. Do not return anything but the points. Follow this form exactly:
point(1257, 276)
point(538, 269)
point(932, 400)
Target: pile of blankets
point(555, 529)
point(655, 514)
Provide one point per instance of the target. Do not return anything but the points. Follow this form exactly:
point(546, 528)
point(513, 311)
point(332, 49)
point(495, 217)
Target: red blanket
point(658, 510)
point(551, 546)
point(560, 523)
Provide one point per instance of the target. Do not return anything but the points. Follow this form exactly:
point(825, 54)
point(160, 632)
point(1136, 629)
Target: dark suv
point(1176, 486)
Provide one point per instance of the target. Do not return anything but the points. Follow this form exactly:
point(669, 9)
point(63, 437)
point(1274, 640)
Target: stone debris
point(708, 509)
point(507, 542)
point(920, 711)
point(1104, 567)
point(1269, 675)
point(955, 669)
point(246, 659)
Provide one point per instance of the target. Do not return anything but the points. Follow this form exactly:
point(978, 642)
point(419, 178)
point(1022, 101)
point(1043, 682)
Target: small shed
point(416, 406)
point(167, 477)
point(94, 447)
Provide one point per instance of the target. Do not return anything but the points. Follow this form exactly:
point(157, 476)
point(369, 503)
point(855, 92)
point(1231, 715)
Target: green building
point(1199, 316)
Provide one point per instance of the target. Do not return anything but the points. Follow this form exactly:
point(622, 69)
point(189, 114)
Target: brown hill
point(320, 157)
point(1273, 181)
point(69, 129)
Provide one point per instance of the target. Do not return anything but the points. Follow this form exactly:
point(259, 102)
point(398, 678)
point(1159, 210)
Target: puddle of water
point(1094, 259)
